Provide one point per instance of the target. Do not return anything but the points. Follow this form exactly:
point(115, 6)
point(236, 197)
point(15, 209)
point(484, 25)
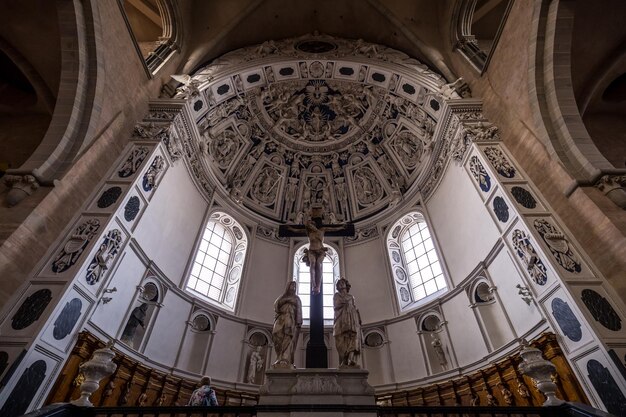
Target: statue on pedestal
point(287, 323)
point(347, 327)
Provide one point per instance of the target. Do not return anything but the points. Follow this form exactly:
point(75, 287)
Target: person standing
point(204, 395)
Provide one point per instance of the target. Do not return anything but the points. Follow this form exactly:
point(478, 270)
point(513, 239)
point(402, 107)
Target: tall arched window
point(216, 270)
point(302, 275)
point(415, 265)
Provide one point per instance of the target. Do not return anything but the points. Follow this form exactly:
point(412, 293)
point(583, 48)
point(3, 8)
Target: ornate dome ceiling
point(287, 126)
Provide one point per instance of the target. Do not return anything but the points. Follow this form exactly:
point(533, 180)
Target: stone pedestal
point(317, 386)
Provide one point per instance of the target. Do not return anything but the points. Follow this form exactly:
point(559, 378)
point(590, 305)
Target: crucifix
point(314, 229)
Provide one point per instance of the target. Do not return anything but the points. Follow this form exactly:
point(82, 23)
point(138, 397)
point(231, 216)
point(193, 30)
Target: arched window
point(415, 265)
point(302, 275)
point(216, 270)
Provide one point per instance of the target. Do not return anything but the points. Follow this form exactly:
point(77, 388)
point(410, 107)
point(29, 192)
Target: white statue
point(287, 323)
point(256, 364)
point(347, 326)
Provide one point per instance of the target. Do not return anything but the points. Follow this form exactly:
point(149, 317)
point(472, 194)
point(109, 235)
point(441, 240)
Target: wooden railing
point(564, 410)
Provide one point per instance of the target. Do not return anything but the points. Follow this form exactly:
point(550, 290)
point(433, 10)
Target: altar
point(316, 386)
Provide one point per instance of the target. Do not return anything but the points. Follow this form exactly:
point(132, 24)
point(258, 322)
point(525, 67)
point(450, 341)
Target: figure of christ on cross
point(314, 255)
point(316, 352)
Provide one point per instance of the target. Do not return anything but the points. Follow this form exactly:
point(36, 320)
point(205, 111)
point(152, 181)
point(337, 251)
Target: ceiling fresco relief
point(318, 122)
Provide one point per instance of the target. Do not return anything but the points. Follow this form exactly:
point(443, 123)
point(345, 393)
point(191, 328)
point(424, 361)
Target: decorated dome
point(316, 122)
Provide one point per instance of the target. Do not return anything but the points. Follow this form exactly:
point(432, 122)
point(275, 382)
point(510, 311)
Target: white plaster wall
point(168, 229)
point(264, 280)
point(505, 277)
point(168, 329)
point(406, 354)
point(226, 350)
point(108, 317)
point(366, 269)
point(460, 222)
point(465, 335)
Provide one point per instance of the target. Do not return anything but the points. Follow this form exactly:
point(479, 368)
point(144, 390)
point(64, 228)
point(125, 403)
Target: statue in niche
point(441, 355)
point(137, 318)
point(255, 365)
point(347, 326)
point(287, 324)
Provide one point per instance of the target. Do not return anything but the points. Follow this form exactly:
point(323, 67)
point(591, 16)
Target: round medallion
point(234, 275)
point(374, 339)
point(316, 69)
point(400, 275)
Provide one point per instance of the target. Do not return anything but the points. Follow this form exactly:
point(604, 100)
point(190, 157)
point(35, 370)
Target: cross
point(314, 229)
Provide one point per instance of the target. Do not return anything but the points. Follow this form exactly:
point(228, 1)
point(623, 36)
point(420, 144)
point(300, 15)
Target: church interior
point(463, 162)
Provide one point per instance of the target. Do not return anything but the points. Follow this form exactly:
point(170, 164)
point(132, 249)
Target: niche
point(435, 342)
point(141, 316)
point(196, 344)
point(257, 355)
point(489, 313)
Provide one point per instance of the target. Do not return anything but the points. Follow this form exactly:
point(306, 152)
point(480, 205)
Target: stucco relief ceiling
point(287, 126)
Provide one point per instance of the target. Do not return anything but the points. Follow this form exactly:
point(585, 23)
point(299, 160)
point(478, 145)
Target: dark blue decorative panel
point(524, 197)
point(286, 71)
point(346, 71)
point(31, 309)
point(601, 310)
point(109, 197)
point(378, 77)
point(25, 390)
point(223, 89)
point(253, 78)
point(606, 387)
point(68, 317)
point(408, 88)
point(434, 104)
point(566, 319)
point(480, 174)
point(197, 106)
point(501, 209)
point(132, 208)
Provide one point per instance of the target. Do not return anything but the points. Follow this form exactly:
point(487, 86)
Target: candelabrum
point(541, 370)
point(98, 367)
